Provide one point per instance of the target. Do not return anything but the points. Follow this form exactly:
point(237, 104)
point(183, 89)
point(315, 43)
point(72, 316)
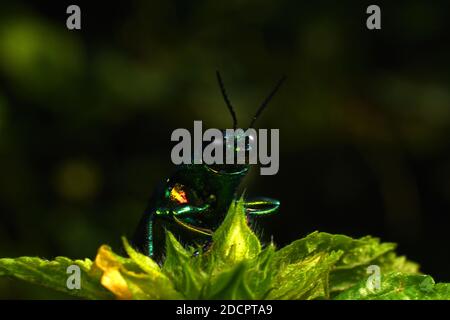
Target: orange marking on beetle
point(178, 194)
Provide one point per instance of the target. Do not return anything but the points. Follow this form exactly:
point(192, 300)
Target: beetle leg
point(261, 206)
point(186, 211)
point(181, 210)
point(143, 236)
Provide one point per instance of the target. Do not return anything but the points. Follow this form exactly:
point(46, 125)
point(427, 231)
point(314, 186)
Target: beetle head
point(240, 142)
point(238, 145)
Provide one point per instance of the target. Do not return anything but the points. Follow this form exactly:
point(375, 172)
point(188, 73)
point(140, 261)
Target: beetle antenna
point(266, 101)
point(227, 101)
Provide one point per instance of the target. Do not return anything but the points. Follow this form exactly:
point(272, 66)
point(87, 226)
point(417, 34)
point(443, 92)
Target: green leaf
point(144, 262)
point(144, 285)
point(305, 279)
point(53, 274)
point(126, 280)
point(248, 279)
point(186, 276)
point(342, 279)
point(319, 266)
point(357, 255)
point(262, 273)
point(399, 286)
point(234, 241)
point(356, 252)
point(230, 284)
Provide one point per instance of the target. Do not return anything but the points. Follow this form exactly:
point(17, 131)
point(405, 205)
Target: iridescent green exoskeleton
point(192, 203)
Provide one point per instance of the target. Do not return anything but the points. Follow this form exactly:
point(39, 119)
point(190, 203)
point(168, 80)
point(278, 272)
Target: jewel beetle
point(193, 201)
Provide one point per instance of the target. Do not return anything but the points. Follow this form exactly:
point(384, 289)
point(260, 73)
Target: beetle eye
point(249, 141)
point(238, 141)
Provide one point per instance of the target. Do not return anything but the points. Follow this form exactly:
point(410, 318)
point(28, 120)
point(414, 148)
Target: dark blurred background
point(86, 118)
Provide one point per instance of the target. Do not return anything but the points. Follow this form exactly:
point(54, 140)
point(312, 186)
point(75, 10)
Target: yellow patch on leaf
point(111, 278)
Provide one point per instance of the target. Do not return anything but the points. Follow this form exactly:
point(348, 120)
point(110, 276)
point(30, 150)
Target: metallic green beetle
point(192, 203)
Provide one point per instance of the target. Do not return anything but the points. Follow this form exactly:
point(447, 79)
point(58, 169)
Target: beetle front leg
point(185, 215)
point(181, 210)
point(261, 206)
